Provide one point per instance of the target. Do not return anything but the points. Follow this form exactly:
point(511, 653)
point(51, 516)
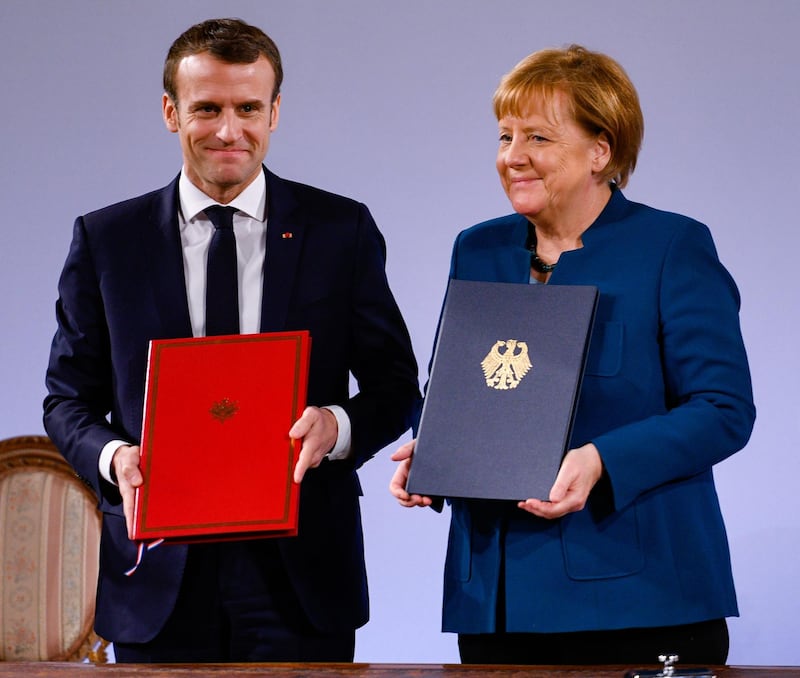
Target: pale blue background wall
point(389, 102)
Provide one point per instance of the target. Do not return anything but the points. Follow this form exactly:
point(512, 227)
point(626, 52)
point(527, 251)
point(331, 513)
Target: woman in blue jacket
point(629, 558)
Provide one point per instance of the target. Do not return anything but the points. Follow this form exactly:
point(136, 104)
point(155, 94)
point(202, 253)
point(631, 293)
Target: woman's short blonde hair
point(600, 94)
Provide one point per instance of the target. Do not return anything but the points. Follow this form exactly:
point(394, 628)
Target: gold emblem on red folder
point(224, 409)
point(506, 364)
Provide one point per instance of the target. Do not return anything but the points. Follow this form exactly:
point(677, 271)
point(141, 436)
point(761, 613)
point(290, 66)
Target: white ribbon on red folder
point(140, 554)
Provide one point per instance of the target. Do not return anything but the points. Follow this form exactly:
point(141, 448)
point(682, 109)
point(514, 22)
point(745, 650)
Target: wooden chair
point(49, 546)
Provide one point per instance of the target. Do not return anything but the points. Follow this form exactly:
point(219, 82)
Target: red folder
point(216, 455)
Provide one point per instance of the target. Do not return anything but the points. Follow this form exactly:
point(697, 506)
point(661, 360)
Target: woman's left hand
point(579, 472)
point(404, 454)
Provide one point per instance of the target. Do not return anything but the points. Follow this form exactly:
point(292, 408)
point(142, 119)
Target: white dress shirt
point(250, 229)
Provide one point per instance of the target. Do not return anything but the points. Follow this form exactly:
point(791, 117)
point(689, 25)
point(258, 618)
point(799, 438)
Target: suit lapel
point(163, 246)
point(285, 232)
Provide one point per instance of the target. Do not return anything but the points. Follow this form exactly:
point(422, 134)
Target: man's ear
point(169, 110)
point(274, 113)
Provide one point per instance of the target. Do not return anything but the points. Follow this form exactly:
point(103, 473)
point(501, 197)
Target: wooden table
point(73, 670)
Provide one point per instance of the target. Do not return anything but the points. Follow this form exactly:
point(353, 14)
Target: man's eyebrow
point(202, 104)
point(255, 103)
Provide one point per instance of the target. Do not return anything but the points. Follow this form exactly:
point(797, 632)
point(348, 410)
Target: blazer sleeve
point(708, 410)
point(382, 359)
point(78, 375)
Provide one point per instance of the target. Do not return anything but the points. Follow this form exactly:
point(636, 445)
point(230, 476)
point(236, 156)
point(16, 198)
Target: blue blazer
point(123, 284)
point(666, 395)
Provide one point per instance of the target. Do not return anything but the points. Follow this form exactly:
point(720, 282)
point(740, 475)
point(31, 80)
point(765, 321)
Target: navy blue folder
point(504, 382)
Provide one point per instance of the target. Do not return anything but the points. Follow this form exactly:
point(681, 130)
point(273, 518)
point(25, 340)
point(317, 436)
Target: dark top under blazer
point(123, 284)
point(666, 396)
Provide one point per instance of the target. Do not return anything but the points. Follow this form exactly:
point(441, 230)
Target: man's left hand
point(318, 430)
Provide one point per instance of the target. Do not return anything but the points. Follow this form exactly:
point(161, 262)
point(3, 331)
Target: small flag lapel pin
point(287, 235)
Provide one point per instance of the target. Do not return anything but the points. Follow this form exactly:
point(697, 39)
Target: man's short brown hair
point(230, 40)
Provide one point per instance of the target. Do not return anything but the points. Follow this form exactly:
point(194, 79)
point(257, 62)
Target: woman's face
point(549, 165)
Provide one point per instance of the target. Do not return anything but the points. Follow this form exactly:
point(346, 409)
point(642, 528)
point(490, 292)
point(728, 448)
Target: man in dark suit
point(306, 259)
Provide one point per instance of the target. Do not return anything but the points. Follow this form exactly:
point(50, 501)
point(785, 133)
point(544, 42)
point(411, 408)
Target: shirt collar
point(252, 200)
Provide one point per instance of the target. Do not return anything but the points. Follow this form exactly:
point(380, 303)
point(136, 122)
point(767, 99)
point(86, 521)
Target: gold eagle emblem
point(506, 364)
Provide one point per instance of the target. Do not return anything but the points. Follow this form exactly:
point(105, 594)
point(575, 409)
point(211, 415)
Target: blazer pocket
point(605, 349)
point(602, 548)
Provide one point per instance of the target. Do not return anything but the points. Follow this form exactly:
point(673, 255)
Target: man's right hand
point(125, 464)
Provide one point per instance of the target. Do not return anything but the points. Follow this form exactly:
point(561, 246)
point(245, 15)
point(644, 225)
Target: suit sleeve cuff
point(106, 454)
point(341, 450)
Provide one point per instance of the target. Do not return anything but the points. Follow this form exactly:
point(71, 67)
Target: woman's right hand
point(397, 486)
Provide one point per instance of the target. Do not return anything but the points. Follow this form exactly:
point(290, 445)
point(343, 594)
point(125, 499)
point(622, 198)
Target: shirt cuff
point(106, 454)
point(341, 450)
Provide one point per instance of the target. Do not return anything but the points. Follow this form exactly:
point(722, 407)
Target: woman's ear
point(601, 153)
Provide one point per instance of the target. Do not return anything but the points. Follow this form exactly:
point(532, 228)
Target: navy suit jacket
point(123, 285)
point(666, 395)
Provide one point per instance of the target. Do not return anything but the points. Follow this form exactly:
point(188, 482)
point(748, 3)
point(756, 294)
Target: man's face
point(224, 117)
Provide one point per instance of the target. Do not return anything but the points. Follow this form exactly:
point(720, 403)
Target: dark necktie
point(222, 280)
